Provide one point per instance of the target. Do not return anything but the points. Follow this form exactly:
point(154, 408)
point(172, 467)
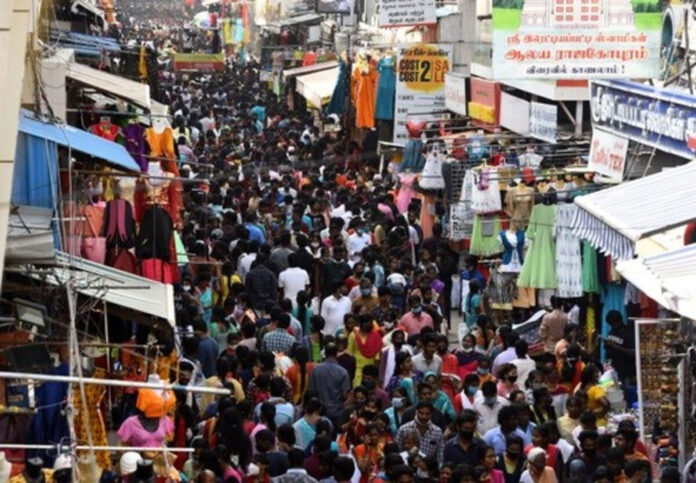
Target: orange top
point(154, 404)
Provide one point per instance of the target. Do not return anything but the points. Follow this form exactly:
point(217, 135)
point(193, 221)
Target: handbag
point(94, 248)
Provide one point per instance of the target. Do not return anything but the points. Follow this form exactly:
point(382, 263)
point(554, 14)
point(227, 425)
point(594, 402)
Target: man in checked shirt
point(430, 435)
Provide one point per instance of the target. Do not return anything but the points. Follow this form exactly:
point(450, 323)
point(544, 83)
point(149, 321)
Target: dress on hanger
point(539, 269)
point(530, 159)
point(413, 159)
point(568, 259)
point(135, 144)
point(431, 177)
point(590, 276)
point(95, 422)
point(484, 236)
point(406, 191)
point(386, 89)
point(364, 95)
point(162, 145)
point(477, 148)
point(485, 197)
point(427, 215)
point(337, 105)
point(154, 245)
point(513, 254)
point(501, 288)
point(461, 217)
point(105, 130)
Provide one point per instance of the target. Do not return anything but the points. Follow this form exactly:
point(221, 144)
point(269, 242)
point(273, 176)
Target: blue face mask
point(365, 292)
point(472, 390)
point(482, 371)
point(417, 310)
point(490, 401)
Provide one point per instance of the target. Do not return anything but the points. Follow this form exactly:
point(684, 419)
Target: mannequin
point(513, 241)
point(5, 467)
point(519, 202)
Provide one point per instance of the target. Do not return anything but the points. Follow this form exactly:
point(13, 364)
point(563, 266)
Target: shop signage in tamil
point(543, 122)
point(420, 84)
point(399, 13)
point(455, 93)
point(576, 39)
point(199, 62)
point(655, 117)
point(608, 154)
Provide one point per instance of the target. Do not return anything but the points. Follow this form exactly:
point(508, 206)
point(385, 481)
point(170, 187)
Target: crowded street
point(347, 241)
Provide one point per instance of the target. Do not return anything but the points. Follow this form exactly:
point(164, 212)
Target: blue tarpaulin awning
point(81, 141)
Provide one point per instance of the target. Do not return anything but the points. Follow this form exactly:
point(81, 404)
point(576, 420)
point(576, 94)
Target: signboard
point(199, 62)
point(455, 93)
point(655, 117)
point(543, 121)
point(485, 101)
point(400, 13)
point(514, 113)
point(576, 39)
point(343, 7)
point(608, 154)
point(420, 84)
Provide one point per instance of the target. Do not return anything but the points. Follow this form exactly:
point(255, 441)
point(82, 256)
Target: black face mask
point(590, 453)
point(368, 384)
point(466, 435)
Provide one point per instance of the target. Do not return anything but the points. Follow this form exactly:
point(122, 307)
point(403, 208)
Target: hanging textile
point(90, 419)
point(162, 145)
point(49, 425)
point(135, 144)
point(461, 217)
point(539, 269)
point(337, 105)
point(501, 290)
point(364, 83)
point(427, 215)
point(142, 64)
point(519, 202)
point(406, 191)
point(513, 254)
point(386, 89)
point(485, 197)
point(568, 259)
point(484, 236)
point(413, 159)
point(431, 178)
point(613, 298)
point(477, 148)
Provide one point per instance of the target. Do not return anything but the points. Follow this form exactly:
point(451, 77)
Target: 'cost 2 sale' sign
point(420, 86)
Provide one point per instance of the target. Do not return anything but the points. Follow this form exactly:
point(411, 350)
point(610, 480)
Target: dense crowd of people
point(326, 312)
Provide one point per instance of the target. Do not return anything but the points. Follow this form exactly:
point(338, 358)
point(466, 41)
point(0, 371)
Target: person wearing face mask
point(588, 452)
point(368, 454)
point(507, 419)
point(365, 345)
point(395, 413)
point(358, 240)
point(367, 300)
point(415, 320)
point(542, 409)
point(488, 408)
point(357, 424)
point(465, 446)
point(470, 391)
point(430, 434)
point(387, 359)
point(467, 356)
point(507, 378)
point(428, 360)
point(370, 375)
point(513, 461)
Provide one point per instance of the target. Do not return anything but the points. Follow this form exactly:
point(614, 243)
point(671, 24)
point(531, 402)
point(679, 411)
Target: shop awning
point(29, 235)
point(669, 279)
point(613, 220)
point(120, 87)
point(298, 71)
point(111, 285)
point(84, 44)
point(81, 141)
point(317, 87)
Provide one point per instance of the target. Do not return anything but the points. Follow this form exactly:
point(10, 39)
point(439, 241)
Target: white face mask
point(186, 288)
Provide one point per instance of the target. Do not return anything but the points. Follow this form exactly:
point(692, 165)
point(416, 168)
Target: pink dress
point(406, 191)
point(132, 432)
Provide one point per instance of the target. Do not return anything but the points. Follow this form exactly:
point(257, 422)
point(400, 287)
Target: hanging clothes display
point(88, 417)
point(386, 89)
point(364, 83)
point(568, 258)
point(154, 245)
point(337, 105)
point(519, 202)
point(590, 277)
point(105, 129)
point(484, 236)
point(49, 425)
point(477, 148)
point(513, 255)
point(413, 159)
point(485, 197)
point(530, 159)
point(135, 144)
point(162, 145)
point(461, 217)
point(613, 298)
point(501, 289)
point(539, 269)
point(406, 191)
point(427, 215)
point(431, 178)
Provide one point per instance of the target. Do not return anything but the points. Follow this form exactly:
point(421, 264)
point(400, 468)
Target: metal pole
point(114, 382)
point(98, 448)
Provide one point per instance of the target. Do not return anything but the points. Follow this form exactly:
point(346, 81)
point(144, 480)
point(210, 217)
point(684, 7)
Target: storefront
point(484, 107)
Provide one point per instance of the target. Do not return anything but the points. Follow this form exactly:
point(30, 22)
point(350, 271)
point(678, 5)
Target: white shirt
point(524, 367)
point(357, 243)
point(292, 280)
point(244, 264)
point(333, 310)
point(422, 365)
point(488, 416)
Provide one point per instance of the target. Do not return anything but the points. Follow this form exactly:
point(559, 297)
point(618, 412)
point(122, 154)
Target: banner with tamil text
point(576, 39)
point(608, 154)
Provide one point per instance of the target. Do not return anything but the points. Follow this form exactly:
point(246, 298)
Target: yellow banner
point(482, 113)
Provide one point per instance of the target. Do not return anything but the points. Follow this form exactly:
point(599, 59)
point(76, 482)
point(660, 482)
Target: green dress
point(484, 236)
point(590, 277)
point(539, 269)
